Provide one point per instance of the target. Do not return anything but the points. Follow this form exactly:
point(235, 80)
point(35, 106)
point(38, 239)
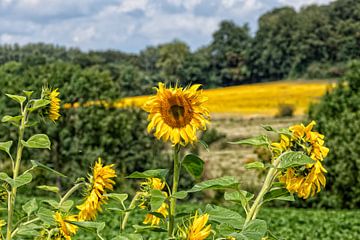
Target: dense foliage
point(313, 42)
point(338, 117)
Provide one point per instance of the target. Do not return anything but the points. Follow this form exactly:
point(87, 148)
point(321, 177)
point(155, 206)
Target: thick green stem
point(127, 214)
point(177, 167)
point(12, 195)
point(264, 189)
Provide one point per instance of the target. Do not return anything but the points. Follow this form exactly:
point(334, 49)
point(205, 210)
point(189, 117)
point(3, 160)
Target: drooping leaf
point(17, 98)
point(258, 141)
point(255, 165)
point(19, 181)
point(278, 194)
point(157, 199)
point(42, 166)
point(39, 103)
point(5, 146)
point(242, 197)
point(294, 159)
point(224, 215)
point(194, 165)
point(180, 195)
point(11, 119)
point(46, 216)
point(30, 207)
point(54, 189)
point(118, 197)
point(155, 173)
point(227, 182)
point(37, 141)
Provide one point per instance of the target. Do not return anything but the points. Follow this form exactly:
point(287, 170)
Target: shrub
point(338, 117)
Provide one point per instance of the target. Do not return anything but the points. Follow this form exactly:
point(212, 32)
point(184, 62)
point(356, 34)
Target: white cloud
point(128, 25)
point(299, 3)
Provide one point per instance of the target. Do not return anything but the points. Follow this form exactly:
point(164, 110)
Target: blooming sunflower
point(197, 229)
point(53, 109)
point(177, 113)
point(66, 229)
point(154, 220)
point(309, 179)
point(100, 181)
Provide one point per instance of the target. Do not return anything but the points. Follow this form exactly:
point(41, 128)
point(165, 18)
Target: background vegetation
point(315, 42)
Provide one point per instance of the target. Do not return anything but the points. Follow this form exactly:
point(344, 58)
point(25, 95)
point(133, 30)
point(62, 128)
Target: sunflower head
point(52, 111)
point(154, 220)
point(66, 229)
point(145, 191)
point(176, 113)
point(309, 179)
point(196, 228)
point(99, 182)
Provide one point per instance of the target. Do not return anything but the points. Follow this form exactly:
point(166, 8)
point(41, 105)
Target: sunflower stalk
point(127, 214)
point(177, 168)
point(255, 208)
point(20, 147)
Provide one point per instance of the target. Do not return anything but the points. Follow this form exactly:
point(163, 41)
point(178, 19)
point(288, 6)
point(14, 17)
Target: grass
point(285, 223)
point(256, 99)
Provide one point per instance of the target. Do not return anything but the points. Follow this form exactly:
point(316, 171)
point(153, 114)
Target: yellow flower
point(177, 113)
point(53, 109)
point(100, 181)
point(153, 183)
point(153, 220)
point(309, 179)
point(66, 229)
point(198, 230)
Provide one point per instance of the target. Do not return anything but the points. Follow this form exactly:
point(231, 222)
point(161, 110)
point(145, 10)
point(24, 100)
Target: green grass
point(285, 223)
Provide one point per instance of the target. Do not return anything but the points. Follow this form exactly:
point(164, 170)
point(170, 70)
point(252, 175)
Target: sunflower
point(100, 181)
point(53, 109)
point(154, 220)
point(177, 113)
point(66, 229)
point(197, 229)
point(309, 179)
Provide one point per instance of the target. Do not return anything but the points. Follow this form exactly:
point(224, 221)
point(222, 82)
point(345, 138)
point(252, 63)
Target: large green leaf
point(39, 103)
point(17, 98)
point(254, 141)
point(194, 165)
point(5, 146)
point(37, 141)
point(242, 197)
point(157, 199)
point(15, 120)
point(119, 197)
point(278, 194)
point(30, 207)
point(46, 216)
point(28, 230)
point(19, 181)
point(155, 173)
point(255, 165)
point(254, 230)
point(95, 227)
point(294, 159)
point(224, 215)
point(227, 182)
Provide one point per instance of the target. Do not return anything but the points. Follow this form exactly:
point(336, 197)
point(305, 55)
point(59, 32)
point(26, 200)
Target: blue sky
point(127, 25)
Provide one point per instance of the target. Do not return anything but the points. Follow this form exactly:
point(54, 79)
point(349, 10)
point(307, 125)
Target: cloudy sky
point(128, 25)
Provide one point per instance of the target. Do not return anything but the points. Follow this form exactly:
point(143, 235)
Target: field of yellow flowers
point(256, 99)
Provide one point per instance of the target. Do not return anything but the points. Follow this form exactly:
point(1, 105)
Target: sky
point(127, 25)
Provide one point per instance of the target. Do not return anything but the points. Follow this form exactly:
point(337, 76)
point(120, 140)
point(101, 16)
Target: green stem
point(70, 192)
point(127, 214)
point(12, 195)
point(177, 167)
point(264, 189)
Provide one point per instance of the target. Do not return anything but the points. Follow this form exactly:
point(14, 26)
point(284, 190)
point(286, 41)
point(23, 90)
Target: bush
point(338, 117)
point(285, 110)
